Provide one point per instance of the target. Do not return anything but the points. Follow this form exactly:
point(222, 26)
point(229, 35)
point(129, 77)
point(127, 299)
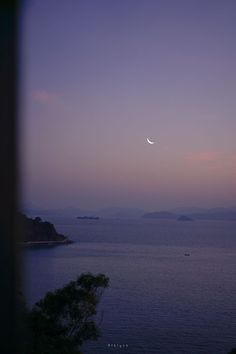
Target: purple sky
point(99, 77)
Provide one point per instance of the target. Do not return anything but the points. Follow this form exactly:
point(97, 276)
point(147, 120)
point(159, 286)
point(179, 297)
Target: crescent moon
point(150, 142)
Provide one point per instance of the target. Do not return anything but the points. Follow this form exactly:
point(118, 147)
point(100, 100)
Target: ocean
point(160, 301)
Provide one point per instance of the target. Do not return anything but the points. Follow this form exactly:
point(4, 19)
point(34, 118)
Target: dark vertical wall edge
point(8, 175)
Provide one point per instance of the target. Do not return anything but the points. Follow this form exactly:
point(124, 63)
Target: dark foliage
point(64, 319)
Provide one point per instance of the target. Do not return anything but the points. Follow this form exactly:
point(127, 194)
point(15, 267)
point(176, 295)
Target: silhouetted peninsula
point(38, 232)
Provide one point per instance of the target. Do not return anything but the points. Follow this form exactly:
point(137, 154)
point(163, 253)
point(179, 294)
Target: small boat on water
point(187, 254)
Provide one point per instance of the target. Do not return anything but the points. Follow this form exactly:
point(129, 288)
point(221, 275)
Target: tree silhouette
point(64, 319)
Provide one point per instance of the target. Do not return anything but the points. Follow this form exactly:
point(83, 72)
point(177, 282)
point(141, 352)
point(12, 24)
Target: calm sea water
point(159, 301)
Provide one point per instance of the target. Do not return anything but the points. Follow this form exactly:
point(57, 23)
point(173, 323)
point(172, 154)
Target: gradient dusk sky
point(100, 76)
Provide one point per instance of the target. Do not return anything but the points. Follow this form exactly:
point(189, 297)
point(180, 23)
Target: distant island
point(184, 218)
point(88, 217)
point(38, 232)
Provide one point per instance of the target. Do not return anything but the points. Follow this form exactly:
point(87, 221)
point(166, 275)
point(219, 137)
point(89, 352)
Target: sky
point(97, 78)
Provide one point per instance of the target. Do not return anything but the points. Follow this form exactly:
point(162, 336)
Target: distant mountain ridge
point(59, 212)
point(120, 213)
point(217, 213)
point(111, 212)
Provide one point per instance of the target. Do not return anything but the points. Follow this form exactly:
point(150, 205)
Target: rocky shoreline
point(66, 241)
